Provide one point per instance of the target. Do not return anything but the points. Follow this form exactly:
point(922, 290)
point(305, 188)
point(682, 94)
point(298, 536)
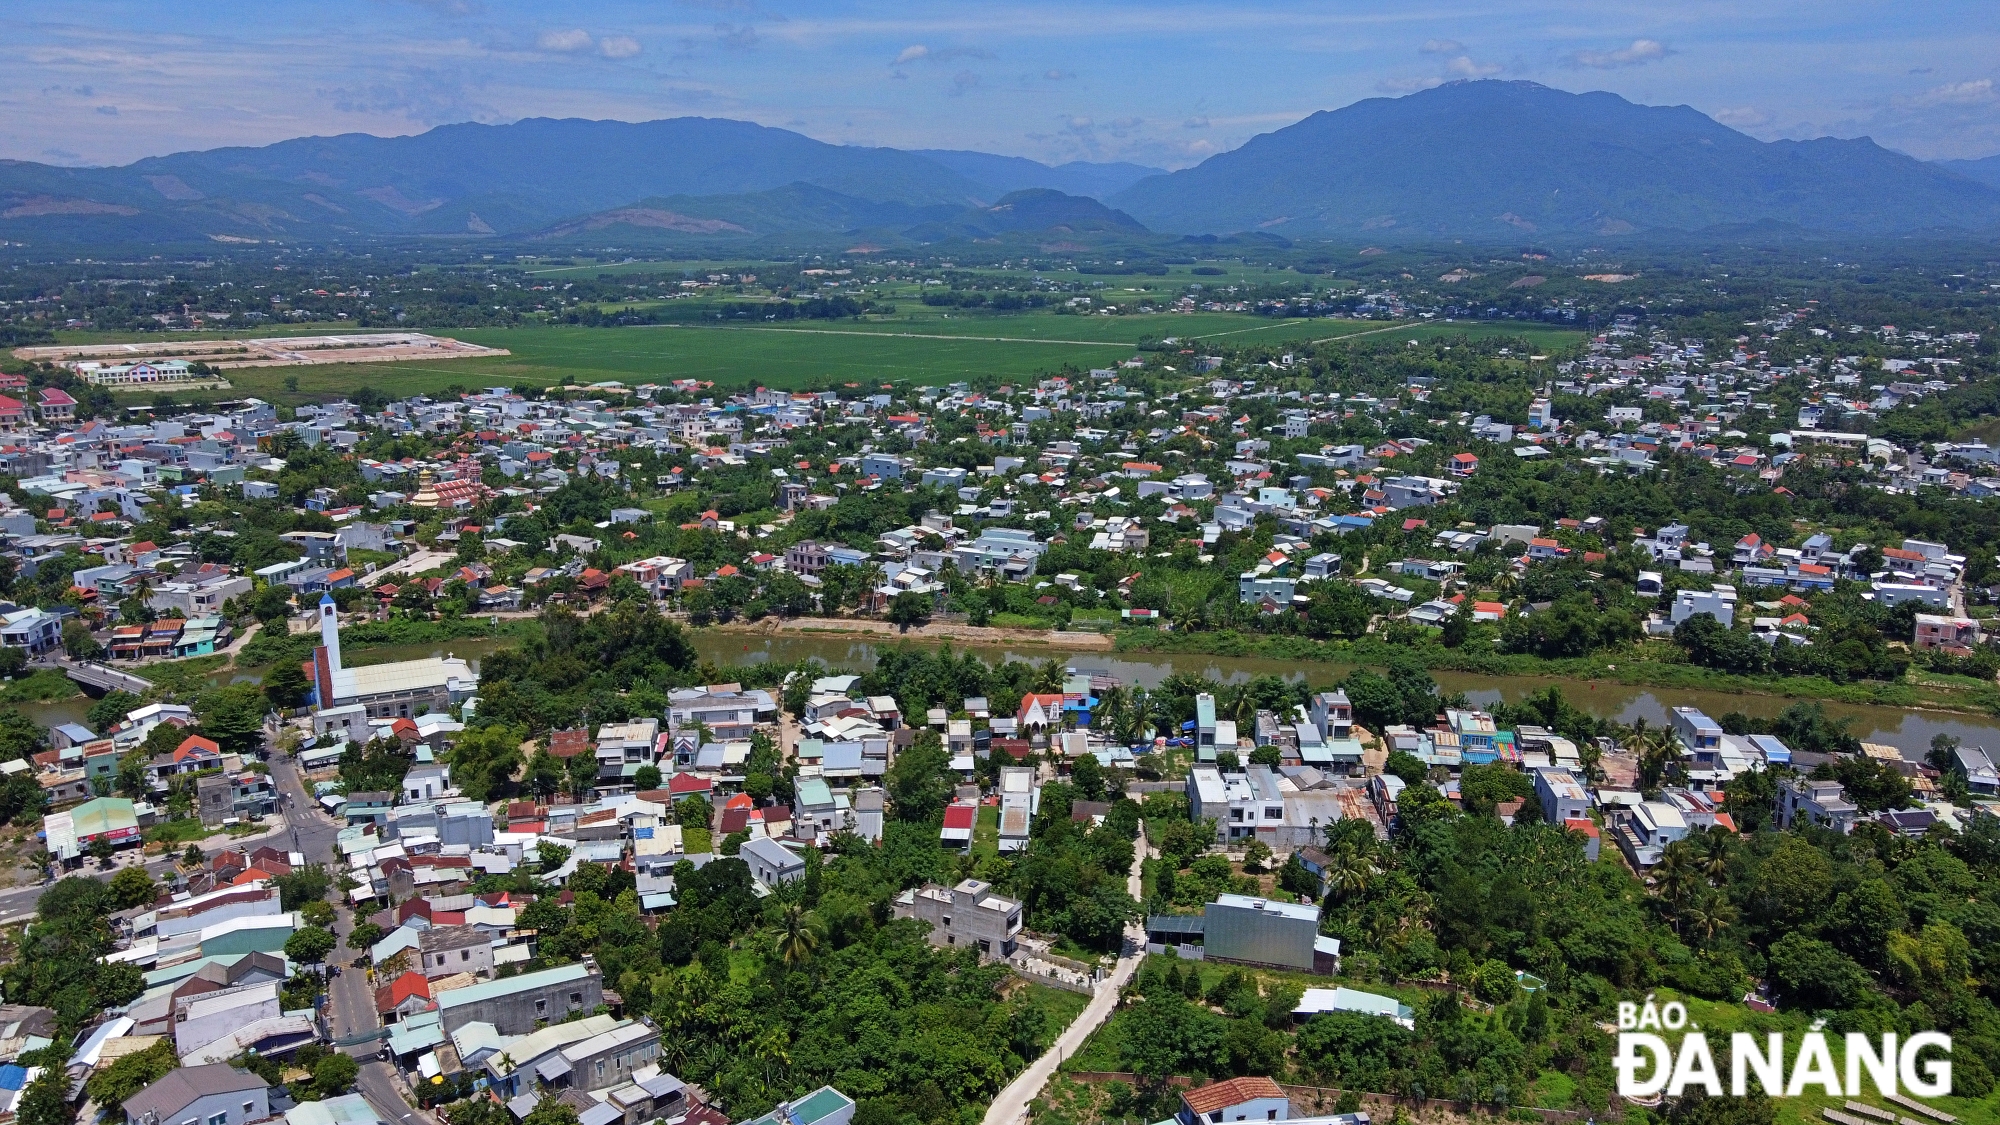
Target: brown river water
point(1909, 730)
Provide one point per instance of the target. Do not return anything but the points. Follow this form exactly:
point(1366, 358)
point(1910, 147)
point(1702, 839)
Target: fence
point(1053, 980)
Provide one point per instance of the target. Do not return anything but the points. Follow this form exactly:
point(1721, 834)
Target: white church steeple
point(329, 631)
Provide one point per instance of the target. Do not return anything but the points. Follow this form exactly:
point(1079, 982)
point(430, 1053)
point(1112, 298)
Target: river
point(1908, 730)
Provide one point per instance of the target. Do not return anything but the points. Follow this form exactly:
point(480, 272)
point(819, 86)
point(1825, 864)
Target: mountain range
point(1488, 159)
point(1482, 160)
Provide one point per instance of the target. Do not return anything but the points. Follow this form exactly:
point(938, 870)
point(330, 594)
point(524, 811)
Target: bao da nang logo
point(1647, 1066)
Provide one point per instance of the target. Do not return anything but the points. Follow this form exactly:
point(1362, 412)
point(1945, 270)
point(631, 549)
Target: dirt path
point(936, 631)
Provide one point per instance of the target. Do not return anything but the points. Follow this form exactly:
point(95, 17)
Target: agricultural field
point(926, 346)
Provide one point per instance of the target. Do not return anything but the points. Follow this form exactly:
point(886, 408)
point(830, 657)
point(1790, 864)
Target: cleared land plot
point(273, 351)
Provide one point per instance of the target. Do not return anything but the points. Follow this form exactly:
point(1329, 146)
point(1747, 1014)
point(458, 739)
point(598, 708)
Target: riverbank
point(1920, 690)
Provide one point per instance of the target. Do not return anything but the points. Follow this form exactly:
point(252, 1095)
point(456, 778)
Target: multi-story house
point(1812, 801)
point(969, 914)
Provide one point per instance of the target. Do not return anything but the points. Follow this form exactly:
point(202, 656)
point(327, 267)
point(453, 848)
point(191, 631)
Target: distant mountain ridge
point(1491, 160)
point(1003, 174)
point(1986, 169)
point(1475, 160)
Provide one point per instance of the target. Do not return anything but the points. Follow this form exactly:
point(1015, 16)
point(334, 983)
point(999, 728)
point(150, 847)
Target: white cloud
point(1742, 117)
point(618, 46)
point(1058, 75)
point(1464, 67)
point(566, 42)
point(1441, 47)
point(1979, 92)
point(1641, 52)
point(1409, 85)
point(912, 53)
point(1195, 123)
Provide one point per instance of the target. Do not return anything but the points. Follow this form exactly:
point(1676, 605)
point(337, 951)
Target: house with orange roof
point(403, 997)
point(1039, 712)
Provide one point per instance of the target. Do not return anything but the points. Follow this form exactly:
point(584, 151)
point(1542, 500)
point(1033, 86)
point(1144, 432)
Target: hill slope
point(1986, 169)
point(1492, 159)
point(1002, 174)
point(804, 209)
point(798, 208)
point(456, 179)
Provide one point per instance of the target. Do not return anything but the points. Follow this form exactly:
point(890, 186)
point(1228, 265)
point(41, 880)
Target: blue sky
point(1162, 82)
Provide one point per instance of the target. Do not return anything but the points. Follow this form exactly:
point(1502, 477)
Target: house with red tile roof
point(403, 997)
point(55, 406)
point(1250, 1098)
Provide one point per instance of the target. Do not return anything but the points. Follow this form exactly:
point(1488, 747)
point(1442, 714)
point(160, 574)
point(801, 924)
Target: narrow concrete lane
point(1011, 1106)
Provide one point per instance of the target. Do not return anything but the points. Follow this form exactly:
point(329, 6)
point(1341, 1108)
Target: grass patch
point(43, 685)
point(696, 840)
point(1019, 621)
point(268, 648)
point(1552, 1089)
point(986, 832)
point(182, 677)
point(185, 830)
point(1059, 1008)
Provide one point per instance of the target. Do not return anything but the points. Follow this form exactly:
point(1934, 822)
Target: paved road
point(1011, 1106)
point(350, 1005)
point(96, 674)
point(301, 828)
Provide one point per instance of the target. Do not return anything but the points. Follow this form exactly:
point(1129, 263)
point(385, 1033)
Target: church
point(398, 690)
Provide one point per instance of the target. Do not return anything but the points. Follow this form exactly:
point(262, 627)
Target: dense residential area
point(453, 756)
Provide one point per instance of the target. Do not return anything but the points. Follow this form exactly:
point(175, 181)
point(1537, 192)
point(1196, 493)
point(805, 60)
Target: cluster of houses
point(226, 789)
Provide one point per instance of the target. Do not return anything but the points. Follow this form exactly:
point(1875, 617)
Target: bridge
point(102, 677)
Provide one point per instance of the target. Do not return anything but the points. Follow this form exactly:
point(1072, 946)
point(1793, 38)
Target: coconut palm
point(1048, 677)
point(1111, 707)
point(1678, 876)
point(1659, 751)
point(798, 939)
point(1131, 723)
point(1238, 706)
point(1714, 852)
point(1709, 915)
point(1350, 872)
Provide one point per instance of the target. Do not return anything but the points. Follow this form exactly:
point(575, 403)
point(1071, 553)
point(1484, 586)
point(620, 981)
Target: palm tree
point(1048, 677)
point(1715, 852)
point(1111, 707)
point(1132, 720)
point(1678, 875)
point(1351, 871)
point(1240, 707)
point(1185, 615)
point(1709, 915)
point(798, 940)
point(1659, 751)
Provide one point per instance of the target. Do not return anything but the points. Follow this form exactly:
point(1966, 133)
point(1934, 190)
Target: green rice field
point(926, 347)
